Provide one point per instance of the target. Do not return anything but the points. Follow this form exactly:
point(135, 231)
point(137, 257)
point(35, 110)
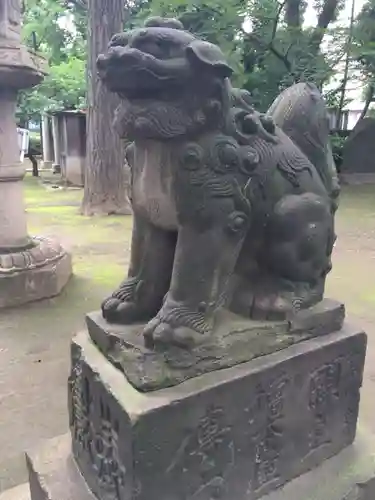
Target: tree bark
point(34, 163)
point(293, 14)
point(326, 16)
point(346, 69)
point(105, 174)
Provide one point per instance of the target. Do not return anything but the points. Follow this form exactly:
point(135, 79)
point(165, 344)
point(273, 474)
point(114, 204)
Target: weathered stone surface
point(236, 340)
point(233, 434)
point(35, 283)
point(232, 209)
point(53, 474)
point(347, 476)
point(29, 270)
point(19, 68)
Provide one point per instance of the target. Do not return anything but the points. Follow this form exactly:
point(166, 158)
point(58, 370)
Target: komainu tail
point(301, 113)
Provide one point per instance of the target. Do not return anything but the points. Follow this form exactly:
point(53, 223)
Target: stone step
point(53, 474)
point(21, 492)
point(350, 475)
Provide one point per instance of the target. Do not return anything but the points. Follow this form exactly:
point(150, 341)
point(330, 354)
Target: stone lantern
point(30, 268)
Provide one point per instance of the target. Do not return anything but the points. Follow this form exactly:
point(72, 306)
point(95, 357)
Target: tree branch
point(326, 16)
point(369, 99)
point(277, 19)
point(270, 46)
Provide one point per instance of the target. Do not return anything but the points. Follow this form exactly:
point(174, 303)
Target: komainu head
point(171, 82)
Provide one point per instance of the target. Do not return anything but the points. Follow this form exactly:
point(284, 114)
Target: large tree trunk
point(369, 99)
point(326, 17)
point(105, 174)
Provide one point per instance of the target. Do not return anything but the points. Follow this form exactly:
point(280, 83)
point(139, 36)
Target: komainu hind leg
point(294, 261)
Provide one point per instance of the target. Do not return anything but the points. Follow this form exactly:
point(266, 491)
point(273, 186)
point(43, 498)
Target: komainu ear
point(210, 56)
point(164, 22)
point(119, 40)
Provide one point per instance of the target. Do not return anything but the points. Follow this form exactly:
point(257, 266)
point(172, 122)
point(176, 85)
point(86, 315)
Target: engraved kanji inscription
point(96, 440)
point(110, 472)
point(79, 413)
point(270, 441)
point(323, 393)
point(205, 457)
point(333, 390)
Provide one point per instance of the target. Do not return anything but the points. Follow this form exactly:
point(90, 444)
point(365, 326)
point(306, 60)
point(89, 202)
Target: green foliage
point(277, 50)
point(52, 31)
point(364, 38)
point(63, 88)
point(216, 21)
point(364, 49)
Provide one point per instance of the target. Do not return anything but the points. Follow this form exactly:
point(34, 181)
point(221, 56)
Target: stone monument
point(30, 268)
point(217, 369)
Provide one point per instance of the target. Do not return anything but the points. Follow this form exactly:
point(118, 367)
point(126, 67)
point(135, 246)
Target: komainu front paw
point(129, 303)
point(179, 325)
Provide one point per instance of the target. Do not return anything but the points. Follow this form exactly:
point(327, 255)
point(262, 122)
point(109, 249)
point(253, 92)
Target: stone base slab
point(21, 492)
point(350, 475)
point(53, 474)
point(36, 273)
point(235, 340)
point(233, 434)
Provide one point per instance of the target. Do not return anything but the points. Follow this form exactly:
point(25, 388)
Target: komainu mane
point(232, 208)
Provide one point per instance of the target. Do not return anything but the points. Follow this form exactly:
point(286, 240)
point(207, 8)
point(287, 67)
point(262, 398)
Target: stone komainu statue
point(232, 208)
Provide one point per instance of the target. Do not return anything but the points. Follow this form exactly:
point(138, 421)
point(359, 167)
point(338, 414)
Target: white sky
point(344, 16)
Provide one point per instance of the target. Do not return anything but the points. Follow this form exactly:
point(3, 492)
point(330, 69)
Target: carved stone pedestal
point(233, 434)
point(230, 434)
point(40, 270)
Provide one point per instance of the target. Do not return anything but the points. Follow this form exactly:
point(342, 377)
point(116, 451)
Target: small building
point(358, 165)
point(64, 144)
point(349, 116)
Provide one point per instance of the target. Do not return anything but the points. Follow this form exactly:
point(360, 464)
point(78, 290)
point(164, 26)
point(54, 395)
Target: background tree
point(266, 42)
point(105, 175)
point(273, 48)
point(48, 31)
point(364, 51)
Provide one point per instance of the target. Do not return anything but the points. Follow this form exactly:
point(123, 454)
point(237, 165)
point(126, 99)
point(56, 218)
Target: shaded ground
point(34, 340)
